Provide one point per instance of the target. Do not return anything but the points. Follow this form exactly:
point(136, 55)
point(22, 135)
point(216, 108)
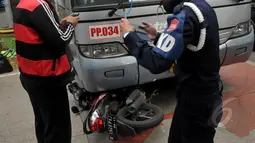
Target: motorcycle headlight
point(107, 50)
point(241, 30)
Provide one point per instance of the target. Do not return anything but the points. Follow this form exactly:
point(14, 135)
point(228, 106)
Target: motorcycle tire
point(142, 125)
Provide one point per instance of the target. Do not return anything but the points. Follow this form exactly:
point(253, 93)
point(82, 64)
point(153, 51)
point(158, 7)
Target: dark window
point(1, 4)
point(98, 3)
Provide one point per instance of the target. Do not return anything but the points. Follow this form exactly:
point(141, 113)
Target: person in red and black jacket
point(41, 41)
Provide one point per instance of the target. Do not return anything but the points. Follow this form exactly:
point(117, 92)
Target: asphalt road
point(17, 121)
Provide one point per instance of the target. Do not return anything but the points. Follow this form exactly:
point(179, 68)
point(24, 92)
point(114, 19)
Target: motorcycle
point(122, 112)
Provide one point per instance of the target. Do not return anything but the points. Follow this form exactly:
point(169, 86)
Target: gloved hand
point(151, 31)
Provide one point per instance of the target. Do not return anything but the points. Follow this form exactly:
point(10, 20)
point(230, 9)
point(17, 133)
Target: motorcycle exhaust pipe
point(137, 103)
point(132, 97)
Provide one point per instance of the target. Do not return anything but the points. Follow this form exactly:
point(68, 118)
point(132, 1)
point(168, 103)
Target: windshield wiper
point(112, 12)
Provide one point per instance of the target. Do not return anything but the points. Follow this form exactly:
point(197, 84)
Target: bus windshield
point(99, 3)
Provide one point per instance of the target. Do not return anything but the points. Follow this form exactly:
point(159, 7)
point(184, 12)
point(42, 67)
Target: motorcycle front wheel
point(148, 116)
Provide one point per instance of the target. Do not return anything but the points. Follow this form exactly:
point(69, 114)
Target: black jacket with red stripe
point(41, 42)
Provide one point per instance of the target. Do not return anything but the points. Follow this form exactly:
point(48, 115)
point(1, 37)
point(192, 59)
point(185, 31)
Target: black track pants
point(52, 114)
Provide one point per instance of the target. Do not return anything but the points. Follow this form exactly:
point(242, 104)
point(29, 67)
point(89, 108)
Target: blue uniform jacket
point(183, 28)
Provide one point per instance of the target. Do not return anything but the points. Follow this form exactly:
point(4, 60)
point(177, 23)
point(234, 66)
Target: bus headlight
point(241, 29)
point(99, 51)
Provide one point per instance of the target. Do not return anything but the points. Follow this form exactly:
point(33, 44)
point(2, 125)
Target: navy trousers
point(195, 118)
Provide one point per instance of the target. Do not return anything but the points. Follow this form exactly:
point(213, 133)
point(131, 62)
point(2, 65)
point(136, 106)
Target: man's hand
point(125, 26)
point(71, 19)
point(151, 31)
point(63, 20)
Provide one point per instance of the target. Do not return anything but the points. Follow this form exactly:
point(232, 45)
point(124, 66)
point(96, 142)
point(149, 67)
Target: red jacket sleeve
point(48, 27)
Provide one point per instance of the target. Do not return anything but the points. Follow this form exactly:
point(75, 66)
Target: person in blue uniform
point(191, 43)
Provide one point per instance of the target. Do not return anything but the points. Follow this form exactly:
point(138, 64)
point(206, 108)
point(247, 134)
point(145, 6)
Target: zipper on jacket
point(54, 65)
